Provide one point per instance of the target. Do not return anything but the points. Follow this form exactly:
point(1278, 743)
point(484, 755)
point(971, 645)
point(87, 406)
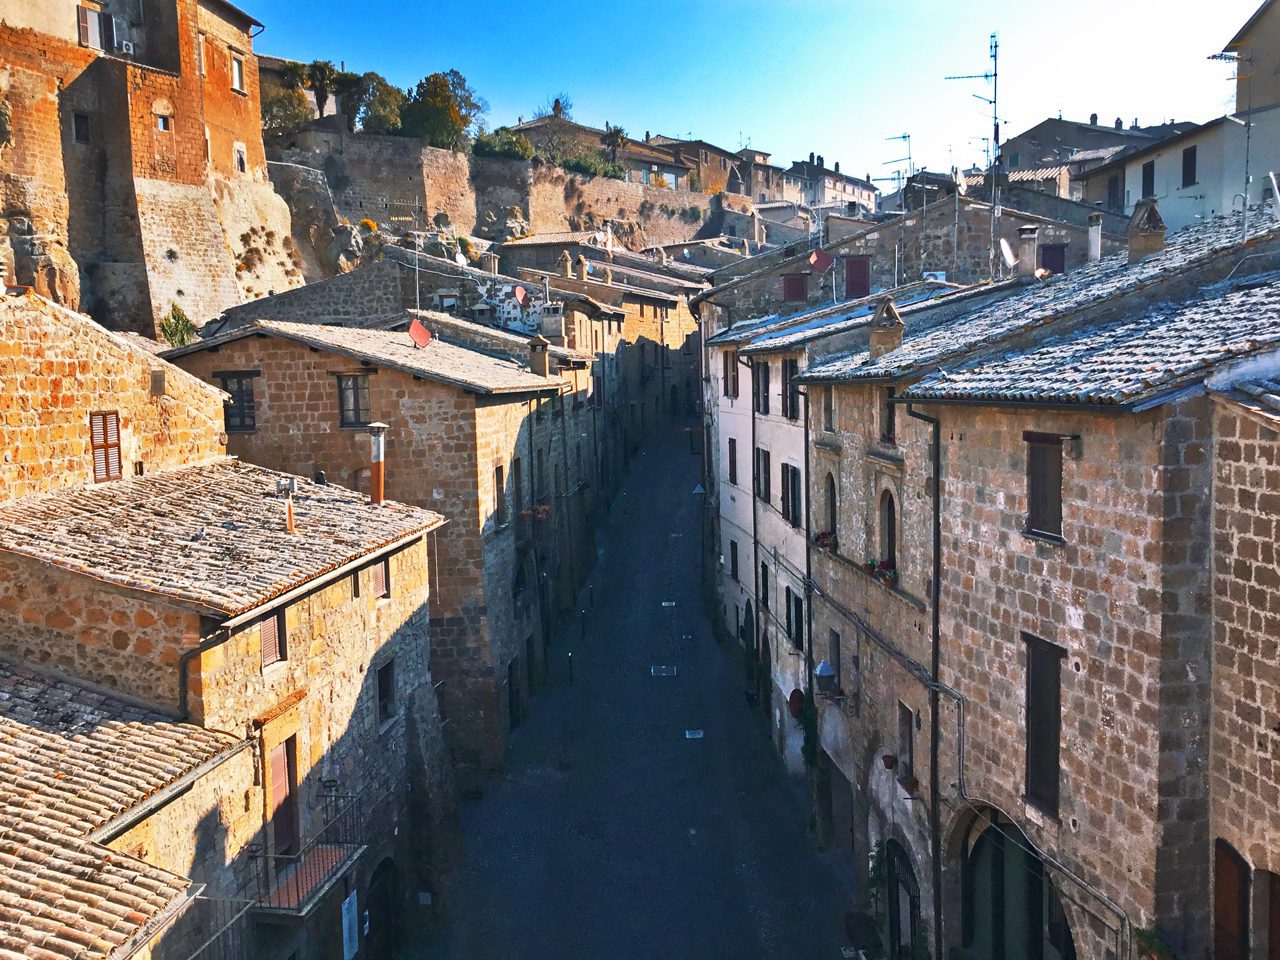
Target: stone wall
point(58, 367)
point(1246, 608)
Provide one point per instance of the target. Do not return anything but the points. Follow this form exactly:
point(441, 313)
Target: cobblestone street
point(615, 835)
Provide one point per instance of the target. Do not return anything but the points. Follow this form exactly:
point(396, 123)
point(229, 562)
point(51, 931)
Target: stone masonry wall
point(58, 367)
point(1246, 629)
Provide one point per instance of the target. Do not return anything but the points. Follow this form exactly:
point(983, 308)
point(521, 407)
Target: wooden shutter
point(733, 460)
point(1044, 722)
point(284, 812)
point(272, 647)
point(379, 575)
point(280, 787)
point(786, 492)
point(107, 26)
point(104, 439)
point(857, 277)
point(82, 25)
point(1044, 483)
point(795, 287)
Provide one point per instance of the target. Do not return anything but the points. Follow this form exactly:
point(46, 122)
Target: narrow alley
point(643, 813)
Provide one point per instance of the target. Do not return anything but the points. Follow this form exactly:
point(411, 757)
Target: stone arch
point(887, 528)
point(383, 908)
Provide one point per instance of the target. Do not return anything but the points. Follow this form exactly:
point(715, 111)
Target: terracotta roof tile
point(212, 535)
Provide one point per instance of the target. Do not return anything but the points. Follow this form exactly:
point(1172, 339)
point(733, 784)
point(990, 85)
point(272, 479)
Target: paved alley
point(613, 834)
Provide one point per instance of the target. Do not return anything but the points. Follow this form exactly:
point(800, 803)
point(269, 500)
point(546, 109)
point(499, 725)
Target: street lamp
point(824, 675)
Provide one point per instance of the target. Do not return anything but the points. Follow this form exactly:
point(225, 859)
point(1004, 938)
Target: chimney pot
point(1146, 230)
point(811, 156)
point(320, 480)
point(377, 461)
point(539, 356)
point(1095, 236)
point(1093, 119)
point(837, 167)
point(820, 163)
point(1028, 238)
point(582, 268)
point(886, 329)
point(1119, 124)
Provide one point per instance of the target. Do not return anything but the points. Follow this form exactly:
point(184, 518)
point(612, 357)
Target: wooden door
point(284, 800)
point(1230, 903)
point(857, 277)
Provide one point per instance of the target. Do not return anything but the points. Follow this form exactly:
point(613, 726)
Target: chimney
point(1135, 124)
point(546, 289)
point(606, 274)
point(820, 163)
point(1095, 236)
point(539, 357)
point(489, 262)
point(582, 268)
point(811, 156)
point(1093, 119)
point(377, 462)
point(1028, 237)
point(886, 329)
point(837, 167)
point(646, 136)
point(286, 487)
point(1119, 124)
point(565, 263)
point(1145, 231)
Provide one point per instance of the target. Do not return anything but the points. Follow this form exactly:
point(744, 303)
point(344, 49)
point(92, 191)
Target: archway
point(382, 907)
point(888, 531)
point(902, 902)
point(1011, 908)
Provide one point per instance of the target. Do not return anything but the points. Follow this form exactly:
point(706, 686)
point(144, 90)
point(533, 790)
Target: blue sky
point(792, 76)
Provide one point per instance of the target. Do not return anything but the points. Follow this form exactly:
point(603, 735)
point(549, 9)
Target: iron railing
point(292, 884)
point(207, 929)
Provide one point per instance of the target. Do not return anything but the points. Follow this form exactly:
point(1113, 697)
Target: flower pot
point(889, 761)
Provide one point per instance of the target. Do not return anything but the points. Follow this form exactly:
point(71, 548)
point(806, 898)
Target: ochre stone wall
point(1246, 630)
point(58, 367)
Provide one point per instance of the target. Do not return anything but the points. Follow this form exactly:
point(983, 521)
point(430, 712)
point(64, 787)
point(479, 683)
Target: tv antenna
point(904, 138)
point(992, 77)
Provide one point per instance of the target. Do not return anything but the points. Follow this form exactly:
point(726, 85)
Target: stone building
point(763, 181)
point(715, 169)
point(821, 186)
point(217, 685)
point(505, 449)
point(1012, 606)
point(134, 177)
point(646, 161)
point(950, 238)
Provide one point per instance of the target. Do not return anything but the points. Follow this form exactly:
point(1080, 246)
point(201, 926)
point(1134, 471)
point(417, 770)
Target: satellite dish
point(962, 188)
point(1006, 251)
point(522, 296)
point(419, 334)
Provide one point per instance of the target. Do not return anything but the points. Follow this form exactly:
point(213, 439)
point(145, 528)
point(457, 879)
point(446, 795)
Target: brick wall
point(60, 367)
point(1246, 628)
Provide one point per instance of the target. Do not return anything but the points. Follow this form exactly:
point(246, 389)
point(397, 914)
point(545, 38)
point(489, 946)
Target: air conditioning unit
point(126, 47)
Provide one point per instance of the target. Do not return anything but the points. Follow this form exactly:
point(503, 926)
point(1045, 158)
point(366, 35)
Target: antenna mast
point(997, 163)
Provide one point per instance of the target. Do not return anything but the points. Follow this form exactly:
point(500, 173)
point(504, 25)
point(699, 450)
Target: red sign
point(795, 703)
point(419, 334)
point(820, 260)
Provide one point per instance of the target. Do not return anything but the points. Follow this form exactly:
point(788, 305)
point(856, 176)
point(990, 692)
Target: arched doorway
point(764, 678)
point(381, 907)
point(1011, 908)
point(902, 902)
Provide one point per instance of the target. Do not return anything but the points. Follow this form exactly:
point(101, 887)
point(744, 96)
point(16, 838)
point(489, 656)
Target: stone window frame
point(240, 157)
point(1045, 503)
point(242, 395)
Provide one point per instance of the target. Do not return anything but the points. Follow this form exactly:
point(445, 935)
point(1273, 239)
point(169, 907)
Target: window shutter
point(280, 787)
point(82, 25)
point(379, 573)
point(108, 28)
point(270, 631)
point(1044, 721)
point(113, 445)
point(104, 440)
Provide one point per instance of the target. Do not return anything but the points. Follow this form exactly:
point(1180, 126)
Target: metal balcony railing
point(292, 884)
point(208, 928)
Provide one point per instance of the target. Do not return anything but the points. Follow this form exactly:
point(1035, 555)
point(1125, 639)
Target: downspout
point(935, 592)
point(808, 582)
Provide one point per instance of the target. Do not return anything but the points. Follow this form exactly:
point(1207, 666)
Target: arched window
point(888, 531)
point(833, 506)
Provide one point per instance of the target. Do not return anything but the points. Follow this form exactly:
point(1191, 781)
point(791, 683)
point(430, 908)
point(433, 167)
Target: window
point(762, 475)
point(888, 532)
point(353, 400)
point(764, 586)
point(81, 128)
point(730, 373)
point(238, 412)
point(104, 439)
point(1044, 721)
point(760, 385)
point(1189, 167)
point(906, 742)
point(833, 655)
point(1014, 159)
point(790, 392)
point(96, 29)
point(499, 495)
point(733, 559)
point(1044, 484)
point(164, 122)
point(1149, 179)
point(888, 417)
point(386, 691)
point(1053, 257)
point(380, 579)
point(829, 409)
point(795, 287)
point(200, 55)
point(1114, 201)
point(833, 506)
point(733, 460)
point(792, 491)
point(354, 580)
point(517, 485)
point(272, 640)
point(237, 74)
point(241, 161)
point(795, 618)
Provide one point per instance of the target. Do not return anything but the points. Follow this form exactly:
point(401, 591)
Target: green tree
point(503, 142)
point(293, 75)
point(321, 75)
point(470, 104)
point(382, 106)
point(431, 114)
point(614, 139)
point(283, 109)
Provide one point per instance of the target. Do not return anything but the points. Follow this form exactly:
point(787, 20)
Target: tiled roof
point(211, 535)
point(439, 360)
point(481, 336)
point(1032, 175)
point(72, 760)
point(1121, 362)
point(1260, 396)
point(555, 239)
point(1035, 306)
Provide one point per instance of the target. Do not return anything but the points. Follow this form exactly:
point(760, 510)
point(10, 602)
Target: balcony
point(207, 928)
point(291, 885)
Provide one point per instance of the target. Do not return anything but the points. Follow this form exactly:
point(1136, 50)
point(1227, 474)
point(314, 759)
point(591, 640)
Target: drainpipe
point(808, 581)
point(935, 592)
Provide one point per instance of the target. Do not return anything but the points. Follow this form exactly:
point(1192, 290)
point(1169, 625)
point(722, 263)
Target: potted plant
point(889, 761)
point(910, 784)
point(1151, 946)
point(826, 541)
point(544, 511)
point(870, 565)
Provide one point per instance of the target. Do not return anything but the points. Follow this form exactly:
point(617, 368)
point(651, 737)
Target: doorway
point(857, 277)
point(903, 902)
point(381, 902)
